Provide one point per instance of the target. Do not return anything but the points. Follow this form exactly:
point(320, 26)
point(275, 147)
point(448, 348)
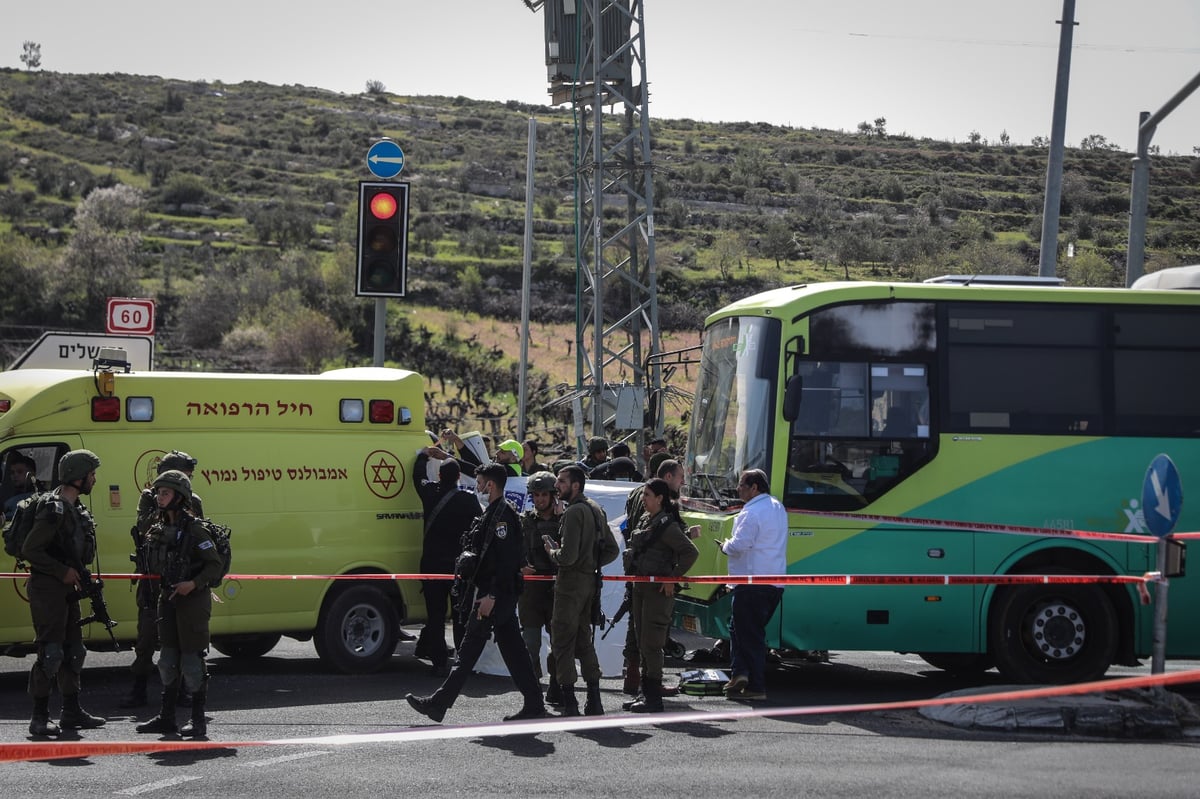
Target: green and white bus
point(1031, 406)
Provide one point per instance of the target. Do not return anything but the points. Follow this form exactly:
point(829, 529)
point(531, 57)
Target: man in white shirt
point(758, 546)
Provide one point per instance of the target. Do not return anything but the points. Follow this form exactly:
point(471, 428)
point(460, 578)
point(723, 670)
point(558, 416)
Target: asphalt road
point(290, 694)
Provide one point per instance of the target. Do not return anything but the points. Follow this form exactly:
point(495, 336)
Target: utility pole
point(1139, 190)
point(1058, 132)
point(595, 57)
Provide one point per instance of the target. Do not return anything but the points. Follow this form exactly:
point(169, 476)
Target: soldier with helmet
point(147, 588)
point(60, 543)
point(535, 607)
point(181, 550)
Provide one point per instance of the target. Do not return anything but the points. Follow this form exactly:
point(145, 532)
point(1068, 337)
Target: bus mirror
point(791, 398)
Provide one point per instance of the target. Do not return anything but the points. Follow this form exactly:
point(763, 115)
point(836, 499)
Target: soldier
point(180, 548)
point(535, 608)
point(658, 547)
point(586, 544)
point(61, 541)
point(489, 600)
point(147, 588)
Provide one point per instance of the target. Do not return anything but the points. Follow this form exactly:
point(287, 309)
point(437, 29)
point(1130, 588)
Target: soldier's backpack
point(16, 529)
point(220, 535)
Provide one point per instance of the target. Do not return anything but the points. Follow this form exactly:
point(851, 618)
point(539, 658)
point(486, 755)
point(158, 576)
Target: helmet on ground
point(540, 481)
point(177, 460)
point(177, 481)
point(76, 464)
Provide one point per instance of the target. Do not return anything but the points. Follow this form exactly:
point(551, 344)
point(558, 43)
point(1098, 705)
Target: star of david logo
point(383, 473)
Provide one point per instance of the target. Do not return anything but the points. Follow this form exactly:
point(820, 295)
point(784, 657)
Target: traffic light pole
point(380, 328)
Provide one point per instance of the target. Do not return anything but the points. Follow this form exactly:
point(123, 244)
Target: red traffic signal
point(382, 239)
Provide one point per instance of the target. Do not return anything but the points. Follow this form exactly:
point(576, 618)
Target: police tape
point(58, 750)
point(728, 579)
point(984, 527)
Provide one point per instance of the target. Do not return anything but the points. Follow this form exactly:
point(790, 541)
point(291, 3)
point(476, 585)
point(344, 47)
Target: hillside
point(242, 224)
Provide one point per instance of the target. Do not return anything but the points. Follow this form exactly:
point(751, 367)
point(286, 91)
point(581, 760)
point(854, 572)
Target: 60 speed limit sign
point(131, 316)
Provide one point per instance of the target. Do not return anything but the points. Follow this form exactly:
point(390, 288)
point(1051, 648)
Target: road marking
point(154, 786)
point(270, 761)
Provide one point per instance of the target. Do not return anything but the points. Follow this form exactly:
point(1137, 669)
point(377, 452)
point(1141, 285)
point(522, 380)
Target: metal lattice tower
point(595, 54)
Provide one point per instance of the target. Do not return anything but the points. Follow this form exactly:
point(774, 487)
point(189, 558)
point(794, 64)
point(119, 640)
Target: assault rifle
point(626, 603)
point(92, 588)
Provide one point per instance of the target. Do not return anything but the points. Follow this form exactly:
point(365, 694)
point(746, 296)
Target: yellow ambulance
point(312, 473)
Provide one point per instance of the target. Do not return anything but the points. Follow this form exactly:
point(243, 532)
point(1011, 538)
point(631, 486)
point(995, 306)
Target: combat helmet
point(540, 481)
point(177, 460)
point(178, 482)
point(76, 464)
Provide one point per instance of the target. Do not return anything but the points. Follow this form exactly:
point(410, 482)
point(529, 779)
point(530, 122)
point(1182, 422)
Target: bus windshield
point(731, 428)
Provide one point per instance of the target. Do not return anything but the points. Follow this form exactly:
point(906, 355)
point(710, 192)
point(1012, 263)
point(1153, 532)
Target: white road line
point(270, 761)
point(154, 786)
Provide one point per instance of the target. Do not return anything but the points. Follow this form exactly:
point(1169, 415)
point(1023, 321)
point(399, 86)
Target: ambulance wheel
point(246, 647)
point(356, 632)
point(1053, 634)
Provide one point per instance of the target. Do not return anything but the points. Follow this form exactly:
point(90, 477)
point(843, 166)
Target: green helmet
point(540, 481)
point(175, 459)
point(177, 481)
point(76, 464)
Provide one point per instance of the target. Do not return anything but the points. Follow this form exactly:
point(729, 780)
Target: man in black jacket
point(489, 601)
point(449, 514)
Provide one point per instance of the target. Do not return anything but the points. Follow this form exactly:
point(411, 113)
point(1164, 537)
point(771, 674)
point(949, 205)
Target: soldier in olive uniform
point(60, 543)
point(536, 605)
point(659, 547)
point(181, 550)
point(147, 588)
point(586, 544)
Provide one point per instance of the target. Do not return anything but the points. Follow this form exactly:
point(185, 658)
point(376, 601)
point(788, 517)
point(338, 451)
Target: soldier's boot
point(164, 722)
point(554, 694)
point(75, 717)
point(570, 705)
point(40, 723)
point(198, 726)
point(137, 693)
point(593, 706)
point(628, 705)
point(651, 700)
point(632, 676)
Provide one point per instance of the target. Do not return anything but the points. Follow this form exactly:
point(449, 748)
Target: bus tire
point(964, 663)
point(246, 647)
point(1053, 634)
point(357, 630)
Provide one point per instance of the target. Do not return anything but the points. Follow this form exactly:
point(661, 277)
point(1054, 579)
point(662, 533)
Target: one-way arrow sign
point(385, 159)
point(1162, 496)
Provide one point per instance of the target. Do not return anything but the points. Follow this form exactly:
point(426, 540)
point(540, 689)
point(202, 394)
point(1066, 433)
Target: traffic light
point(382, 239)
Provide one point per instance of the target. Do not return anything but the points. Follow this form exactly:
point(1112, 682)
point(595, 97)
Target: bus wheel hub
point(1058, 630)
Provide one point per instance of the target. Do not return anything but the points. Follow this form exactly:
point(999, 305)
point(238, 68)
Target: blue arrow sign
point(1162, 496)
point(385, 159)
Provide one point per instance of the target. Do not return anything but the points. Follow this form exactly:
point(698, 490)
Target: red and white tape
point(56, 750)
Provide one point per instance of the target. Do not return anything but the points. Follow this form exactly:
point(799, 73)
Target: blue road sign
point(385, 159)
point(1162, 496)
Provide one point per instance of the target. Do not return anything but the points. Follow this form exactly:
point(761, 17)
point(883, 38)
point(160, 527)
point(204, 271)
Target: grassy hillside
point(242, 225)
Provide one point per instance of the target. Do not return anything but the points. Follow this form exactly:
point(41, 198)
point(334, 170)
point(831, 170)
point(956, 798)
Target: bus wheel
point(357, 630)
point(246, 646)
point(1052, 633)
point(965, 663)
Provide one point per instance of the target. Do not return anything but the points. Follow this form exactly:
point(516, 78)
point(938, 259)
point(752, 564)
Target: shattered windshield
point(731, 418)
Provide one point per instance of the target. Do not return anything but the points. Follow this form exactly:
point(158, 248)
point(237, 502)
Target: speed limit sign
point(130, 316)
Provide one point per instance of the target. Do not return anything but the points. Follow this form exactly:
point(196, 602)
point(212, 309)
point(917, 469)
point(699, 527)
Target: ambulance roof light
point(112, 358)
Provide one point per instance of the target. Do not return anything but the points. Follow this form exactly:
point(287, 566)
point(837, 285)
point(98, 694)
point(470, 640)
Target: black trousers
point(503, 623)
point(433, 635)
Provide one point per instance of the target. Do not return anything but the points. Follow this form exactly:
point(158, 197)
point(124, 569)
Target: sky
point(932, 68)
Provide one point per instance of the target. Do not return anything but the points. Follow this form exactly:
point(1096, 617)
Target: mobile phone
point(718, 542)
point(548, 540)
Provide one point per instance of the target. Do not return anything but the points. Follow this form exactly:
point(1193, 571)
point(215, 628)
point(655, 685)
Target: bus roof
point(790, 300)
